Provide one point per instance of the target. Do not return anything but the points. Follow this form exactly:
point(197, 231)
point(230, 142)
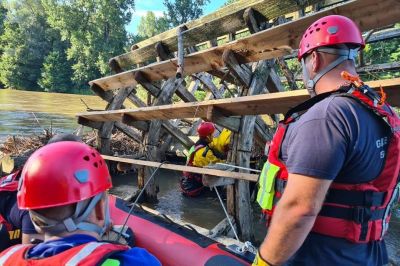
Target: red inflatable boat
point(172, 243)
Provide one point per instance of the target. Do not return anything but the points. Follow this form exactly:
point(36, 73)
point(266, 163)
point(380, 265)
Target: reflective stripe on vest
point(84, 252)
point(266, 192)
point(10, 252)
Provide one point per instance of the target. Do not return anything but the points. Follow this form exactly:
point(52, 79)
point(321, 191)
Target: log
point(191, 169)
point(267, 44)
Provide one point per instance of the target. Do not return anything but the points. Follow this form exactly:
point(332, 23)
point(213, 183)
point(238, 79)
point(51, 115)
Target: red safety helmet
point(330, 30)
point(60, 174)
point(205, 129)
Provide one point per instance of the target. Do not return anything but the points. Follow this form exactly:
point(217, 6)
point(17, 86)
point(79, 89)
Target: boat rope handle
point(226, 213)
point(137, 199)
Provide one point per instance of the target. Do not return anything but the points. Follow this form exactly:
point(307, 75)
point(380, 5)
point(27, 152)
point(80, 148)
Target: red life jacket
point(92, 253)
point(9, 183)
point(357, 212)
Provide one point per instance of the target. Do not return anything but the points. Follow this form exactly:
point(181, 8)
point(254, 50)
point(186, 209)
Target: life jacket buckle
point(362, 215)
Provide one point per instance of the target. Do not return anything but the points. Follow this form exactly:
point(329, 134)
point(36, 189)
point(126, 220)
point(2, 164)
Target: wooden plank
point(191, 169)
point(267, 44)
point(224, 21)
point(272, 103)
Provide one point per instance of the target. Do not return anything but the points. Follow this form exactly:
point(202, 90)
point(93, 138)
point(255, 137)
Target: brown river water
point(27, 113)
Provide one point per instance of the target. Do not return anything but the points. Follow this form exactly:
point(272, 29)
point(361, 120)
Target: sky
point(142, 6)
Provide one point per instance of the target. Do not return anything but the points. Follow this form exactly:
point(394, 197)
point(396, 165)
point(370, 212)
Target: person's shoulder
point(331, 107)
point(136, 256)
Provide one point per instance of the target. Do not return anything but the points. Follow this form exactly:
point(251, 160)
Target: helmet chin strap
point(344, 54)
point(77, 220)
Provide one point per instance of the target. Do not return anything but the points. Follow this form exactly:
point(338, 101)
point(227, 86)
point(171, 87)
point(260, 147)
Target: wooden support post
point(288, 74)
point(216, 115)
point(178, 134)
point(152, 136)
point(206, 80)
point(181, 52)
point(162, 51)
point(105, 132)
point(241, 72)
point(142, 80)
point(255, 21)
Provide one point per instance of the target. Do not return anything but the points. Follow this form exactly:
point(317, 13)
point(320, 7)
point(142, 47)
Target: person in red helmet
point(207, 150)
point(332, 174)
point(63, 185)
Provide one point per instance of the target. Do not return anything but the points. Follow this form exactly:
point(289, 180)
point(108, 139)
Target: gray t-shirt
point(337, 139)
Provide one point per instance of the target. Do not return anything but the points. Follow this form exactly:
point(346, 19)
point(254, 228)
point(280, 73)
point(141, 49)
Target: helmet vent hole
point(317, 29)
point(311, 31)
point(305, 36)
point(323, 22)
point(316, 24)
point(101, 162)
point(96, 165)
point(86, 158)
point(94, 155)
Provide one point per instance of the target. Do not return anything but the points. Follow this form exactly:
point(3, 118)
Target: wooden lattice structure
point(251, 63)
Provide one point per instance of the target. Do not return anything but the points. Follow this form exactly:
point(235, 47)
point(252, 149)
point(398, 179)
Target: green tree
point(56, 72)
point(182, 11)
point(95, 30)
point(228, 2)
point(24, 43)
point(150, 25)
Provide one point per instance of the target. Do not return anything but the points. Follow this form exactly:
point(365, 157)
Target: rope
point(226, 213)
point(137, 199)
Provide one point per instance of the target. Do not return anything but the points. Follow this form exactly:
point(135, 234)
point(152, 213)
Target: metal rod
point(226, 213)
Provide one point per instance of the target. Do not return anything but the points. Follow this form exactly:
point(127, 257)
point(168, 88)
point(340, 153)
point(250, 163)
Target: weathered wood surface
point(105, 132)
point(226, 20)
point(191, 169)
point(267, 44)
point(376, 68)
point(273, 103)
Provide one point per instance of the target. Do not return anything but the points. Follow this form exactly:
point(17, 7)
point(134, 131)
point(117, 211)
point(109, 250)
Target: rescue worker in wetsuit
point(332, 174)
point(63, 185)
point(15, 224)
point(207, 150)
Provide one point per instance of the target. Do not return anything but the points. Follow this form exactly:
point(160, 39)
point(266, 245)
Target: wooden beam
point(275, 42)
point(141, 125)
point(216, 115)
point(162, 51)
point(241, 72)
point(191, 169)
point(128, 131)
point(150, 87)
point(384, 35)
point(225, 20)
point(272, 103)
point(89, 123)
point(178, 134)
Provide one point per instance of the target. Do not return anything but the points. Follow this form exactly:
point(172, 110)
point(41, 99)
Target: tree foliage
point(182, 11)
point(95, 30)
point(150, 25)
point(25, 44)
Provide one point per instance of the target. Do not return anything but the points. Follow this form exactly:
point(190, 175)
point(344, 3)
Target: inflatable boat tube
point(174, 244)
